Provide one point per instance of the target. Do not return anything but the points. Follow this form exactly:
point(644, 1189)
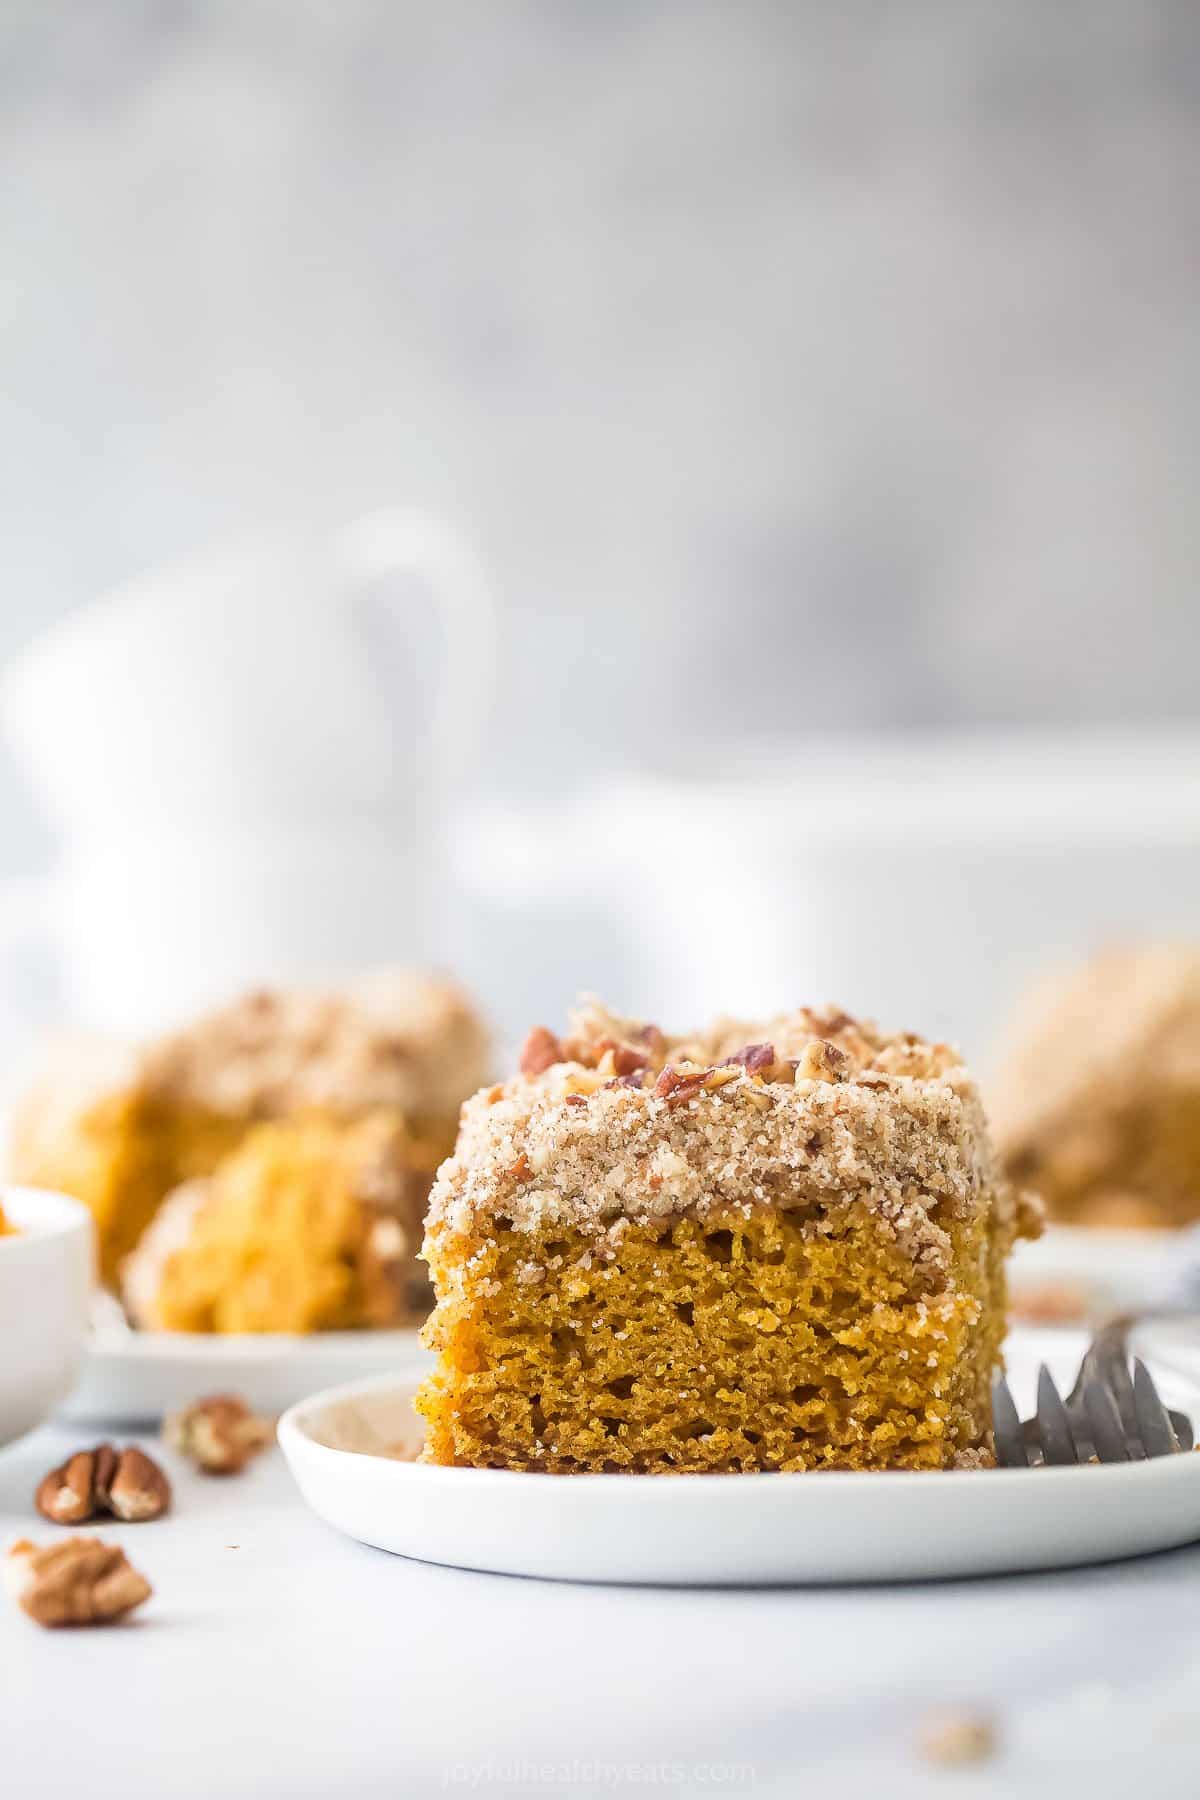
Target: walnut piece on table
point(955, 1739)
point(78, 1581)
point(219, 1433)
point(126, 1483)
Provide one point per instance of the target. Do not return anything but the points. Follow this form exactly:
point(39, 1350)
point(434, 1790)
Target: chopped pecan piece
point(126, 1483)
point(627, 1081)
point(540, 1051)
point(830, 1023)
point(821, 1061)
point(78, 1581)
point(676, 1086)
point(720, 1077)
point(754, 1058)
point(220, 1433)
point(612, 1057)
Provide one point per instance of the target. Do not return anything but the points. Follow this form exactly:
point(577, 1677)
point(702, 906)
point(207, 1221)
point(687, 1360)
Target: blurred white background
point(792, 367)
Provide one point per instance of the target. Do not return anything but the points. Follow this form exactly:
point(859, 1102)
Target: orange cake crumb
point(758, 1248)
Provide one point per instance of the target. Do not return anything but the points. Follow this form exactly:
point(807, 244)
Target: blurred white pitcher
point(237, 795)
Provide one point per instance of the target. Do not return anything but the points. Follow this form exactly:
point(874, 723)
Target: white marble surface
point(279, 1660)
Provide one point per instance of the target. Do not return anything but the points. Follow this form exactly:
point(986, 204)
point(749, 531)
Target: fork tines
point(1154, 1421)
point(1054, 1427)
point(1108, 1432)
point(1107, 1417)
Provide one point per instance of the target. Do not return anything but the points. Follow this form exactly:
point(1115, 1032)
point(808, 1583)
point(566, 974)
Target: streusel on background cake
point(360, 1088)
point(1097, 1102)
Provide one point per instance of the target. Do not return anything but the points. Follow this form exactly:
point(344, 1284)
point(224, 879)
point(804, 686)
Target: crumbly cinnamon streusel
point(400, 1038)
point(895, 1119)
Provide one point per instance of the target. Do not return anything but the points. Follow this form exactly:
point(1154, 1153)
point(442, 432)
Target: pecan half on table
point(126, 1483)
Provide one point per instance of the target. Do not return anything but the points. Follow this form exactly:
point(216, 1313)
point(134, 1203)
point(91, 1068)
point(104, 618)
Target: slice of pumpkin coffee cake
point(777, 1247)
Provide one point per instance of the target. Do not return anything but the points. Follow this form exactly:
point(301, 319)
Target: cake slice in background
point(122, 1128)
point(311, 1224)
point(769, 1247)
point(1097, 1100)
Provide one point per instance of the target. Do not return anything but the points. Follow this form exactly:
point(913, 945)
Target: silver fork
point(1109, 1415)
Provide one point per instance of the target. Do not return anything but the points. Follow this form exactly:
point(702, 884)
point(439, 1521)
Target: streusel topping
point(618, 1121)
point(400, 1038)
point(1111, 1033)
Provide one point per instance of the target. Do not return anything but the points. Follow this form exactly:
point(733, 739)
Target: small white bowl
point(45, 1280)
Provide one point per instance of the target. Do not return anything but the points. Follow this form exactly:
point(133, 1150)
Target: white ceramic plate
point(130, 1377)
point(734, 1529)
